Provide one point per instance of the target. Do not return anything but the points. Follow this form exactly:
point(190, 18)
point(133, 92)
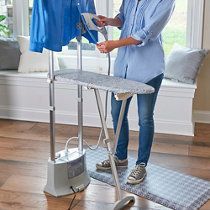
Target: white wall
point(25, 97)
point(202, 97)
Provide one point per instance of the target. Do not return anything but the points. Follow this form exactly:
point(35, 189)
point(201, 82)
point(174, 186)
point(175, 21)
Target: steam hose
point(104, 32)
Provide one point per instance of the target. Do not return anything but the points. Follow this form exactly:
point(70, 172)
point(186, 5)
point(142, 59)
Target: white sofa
point(25, 97)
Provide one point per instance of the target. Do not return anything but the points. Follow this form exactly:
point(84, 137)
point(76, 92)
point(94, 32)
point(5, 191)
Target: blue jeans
point(146, 104)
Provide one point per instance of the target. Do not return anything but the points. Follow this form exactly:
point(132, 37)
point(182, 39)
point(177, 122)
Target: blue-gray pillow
point(183, 64)
point(9, 54)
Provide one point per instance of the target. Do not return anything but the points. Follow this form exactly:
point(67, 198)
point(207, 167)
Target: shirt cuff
point(36, 47)
point(142, 36)
point(120, 16)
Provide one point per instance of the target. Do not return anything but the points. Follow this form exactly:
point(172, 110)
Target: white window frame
point(20, 17)
point(195, 21)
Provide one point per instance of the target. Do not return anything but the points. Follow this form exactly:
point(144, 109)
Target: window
point(116, 7)
point(30, 7)
point(176, 29)
point(6, 9)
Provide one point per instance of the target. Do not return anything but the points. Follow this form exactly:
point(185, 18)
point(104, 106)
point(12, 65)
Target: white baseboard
point(201, 116)
point(90, 119)
point(174, 127)
point(168, 127)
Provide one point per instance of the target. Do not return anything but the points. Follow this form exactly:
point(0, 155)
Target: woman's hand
point(107, 46)
point(103, 21)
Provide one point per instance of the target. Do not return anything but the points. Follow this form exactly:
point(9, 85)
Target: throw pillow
point(184, 63)
point(32, 61)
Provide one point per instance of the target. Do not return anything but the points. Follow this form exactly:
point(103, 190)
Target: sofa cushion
point(9, 54)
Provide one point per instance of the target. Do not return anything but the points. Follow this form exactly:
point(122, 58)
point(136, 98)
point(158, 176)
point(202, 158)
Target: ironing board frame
point(121, 201)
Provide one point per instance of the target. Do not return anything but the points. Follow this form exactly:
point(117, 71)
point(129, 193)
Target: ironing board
point(115, 85)
point(102, 82)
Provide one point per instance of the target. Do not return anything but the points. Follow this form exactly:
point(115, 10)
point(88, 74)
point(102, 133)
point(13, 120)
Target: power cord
point(72, 201)
point(89, 146)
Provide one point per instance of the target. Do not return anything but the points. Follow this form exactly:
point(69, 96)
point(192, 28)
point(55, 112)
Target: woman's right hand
point(103, 21)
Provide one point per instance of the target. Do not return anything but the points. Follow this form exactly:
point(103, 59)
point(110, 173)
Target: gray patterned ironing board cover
point(103, 82)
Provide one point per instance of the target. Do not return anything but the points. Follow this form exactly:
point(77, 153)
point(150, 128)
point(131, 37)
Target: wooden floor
point(24, 149)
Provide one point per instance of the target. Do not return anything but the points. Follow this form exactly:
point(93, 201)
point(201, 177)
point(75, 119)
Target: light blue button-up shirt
point(143, 20)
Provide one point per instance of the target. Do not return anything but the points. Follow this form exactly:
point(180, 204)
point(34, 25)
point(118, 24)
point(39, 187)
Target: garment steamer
point(67, 171)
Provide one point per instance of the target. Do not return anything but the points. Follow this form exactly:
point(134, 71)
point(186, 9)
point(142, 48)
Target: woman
point(141, 58)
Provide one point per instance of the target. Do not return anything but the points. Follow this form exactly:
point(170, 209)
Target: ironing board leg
point(121, 201)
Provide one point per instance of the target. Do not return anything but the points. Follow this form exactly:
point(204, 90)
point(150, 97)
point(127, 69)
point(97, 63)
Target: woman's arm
point(156, 23)
point(105, 21)
point(108, 46)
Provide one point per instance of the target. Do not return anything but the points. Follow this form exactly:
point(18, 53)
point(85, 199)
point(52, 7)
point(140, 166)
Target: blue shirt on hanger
point(143, 20)
point(55, 22)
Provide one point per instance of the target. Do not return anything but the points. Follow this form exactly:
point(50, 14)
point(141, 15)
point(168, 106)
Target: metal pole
point(52, 105)
point(80, 96)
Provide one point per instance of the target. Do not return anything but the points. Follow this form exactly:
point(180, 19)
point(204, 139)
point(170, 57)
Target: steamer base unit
point(67, 174)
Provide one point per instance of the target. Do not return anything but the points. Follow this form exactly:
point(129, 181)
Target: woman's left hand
point(107, 46)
